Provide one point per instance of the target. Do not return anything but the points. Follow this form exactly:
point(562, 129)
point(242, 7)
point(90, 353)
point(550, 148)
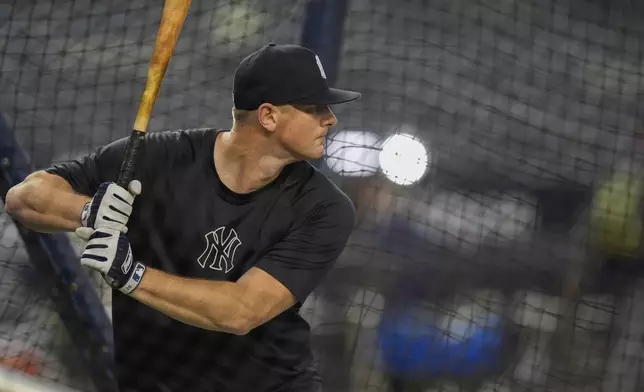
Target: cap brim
point(332, 96)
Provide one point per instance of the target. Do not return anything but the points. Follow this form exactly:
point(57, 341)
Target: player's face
point(303, 131)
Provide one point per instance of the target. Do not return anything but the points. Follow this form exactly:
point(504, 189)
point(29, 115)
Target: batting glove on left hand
point(108, 251)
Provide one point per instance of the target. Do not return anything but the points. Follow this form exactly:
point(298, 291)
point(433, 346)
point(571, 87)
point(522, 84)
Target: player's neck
point(246, 163)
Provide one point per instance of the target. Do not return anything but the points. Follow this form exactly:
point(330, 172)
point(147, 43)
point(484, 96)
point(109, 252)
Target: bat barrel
point(174, 15)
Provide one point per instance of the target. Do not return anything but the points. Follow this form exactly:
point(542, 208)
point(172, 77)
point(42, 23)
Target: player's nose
point(330, 119)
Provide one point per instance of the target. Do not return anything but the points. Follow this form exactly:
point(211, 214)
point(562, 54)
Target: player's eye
point(321, 109)
point(310, 109)
point(314, 110)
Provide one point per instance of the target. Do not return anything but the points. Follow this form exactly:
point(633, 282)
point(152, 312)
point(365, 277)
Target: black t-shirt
point(188, 223)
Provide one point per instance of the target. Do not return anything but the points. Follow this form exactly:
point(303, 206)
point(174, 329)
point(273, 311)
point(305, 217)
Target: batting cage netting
point(494, 160)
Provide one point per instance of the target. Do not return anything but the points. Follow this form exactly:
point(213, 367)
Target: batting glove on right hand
point(108, 251)
point(111, 206)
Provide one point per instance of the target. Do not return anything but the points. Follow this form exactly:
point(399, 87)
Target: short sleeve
point(85, 174)
point(104, 164)
point(302, 259)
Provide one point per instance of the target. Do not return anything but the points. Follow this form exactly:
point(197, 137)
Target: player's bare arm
point(232, 307)
point(236, 307)
point(46, 203)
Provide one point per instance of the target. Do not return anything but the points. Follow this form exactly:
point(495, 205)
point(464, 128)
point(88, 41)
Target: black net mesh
point(494, 160)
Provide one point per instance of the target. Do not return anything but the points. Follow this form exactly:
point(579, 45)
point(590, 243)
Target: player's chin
point(315, 152)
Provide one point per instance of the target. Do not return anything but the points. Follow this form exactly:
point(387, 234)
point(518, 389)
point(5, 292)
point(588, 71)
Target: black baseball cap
point(282, 75)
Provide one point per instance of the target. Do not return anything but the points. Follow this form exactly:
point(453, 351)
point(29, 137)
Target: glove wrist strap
point(85, 213)
point(135, 279)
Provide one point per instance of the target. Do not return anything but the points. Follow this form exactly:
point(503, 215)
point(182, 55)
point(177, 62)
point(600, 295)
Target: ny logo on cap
point(317, 60)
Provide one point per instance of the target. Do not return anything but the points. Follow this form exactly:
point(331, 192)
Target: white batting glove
point(111, 206)
point(108, 251)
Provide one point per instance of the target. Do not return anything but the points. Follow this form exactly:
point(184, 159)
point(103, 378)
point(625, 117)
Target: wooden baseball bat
point(174, 15)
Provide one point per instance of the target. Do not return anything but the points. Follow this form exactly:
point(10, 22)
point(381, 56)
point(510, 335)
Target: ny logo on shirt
point(221, 245)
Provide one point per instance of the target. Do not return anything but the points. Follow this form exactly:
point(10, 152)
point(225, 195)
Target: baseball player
point(220, 238)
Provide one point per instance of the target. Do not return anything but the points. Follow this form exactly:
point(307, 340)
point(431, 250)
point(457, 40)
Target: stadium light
point(403, 159)
point(353, 153)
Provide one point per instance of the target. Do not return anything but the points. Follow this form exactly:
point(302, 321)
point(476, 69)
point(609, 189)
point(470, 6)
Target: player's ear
point(267, 115)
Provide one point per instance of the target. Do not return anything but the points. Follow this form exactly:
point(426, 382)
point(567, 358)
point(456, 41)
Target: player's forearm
point(205, 304)
point(45, 203)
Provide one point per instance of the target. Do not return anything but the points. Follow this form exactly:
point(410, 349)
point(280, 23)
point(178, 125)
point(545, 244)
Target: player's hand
point(111, 206)
point(108, 251)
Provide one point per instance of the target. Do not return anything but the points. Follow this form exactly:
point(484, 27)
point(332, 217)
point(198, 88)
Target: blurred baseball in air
point(404, 159)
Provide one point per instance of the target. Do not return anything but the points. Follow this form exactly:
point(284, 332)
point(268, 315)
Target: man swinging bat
point(219, 238)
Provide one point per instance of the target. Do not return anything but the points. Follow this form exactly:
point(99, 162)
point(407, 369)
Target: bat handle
point(128, 167)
